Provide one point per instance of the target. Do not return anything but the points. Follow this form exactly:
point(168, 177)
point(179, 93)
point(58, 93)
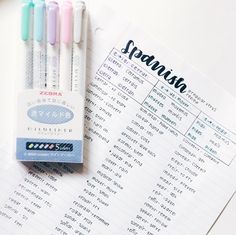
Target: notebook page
point(159, 153)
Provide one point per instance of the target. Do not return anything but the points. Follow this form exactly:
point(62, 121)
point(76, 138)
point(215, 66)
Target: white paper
point(157, 161)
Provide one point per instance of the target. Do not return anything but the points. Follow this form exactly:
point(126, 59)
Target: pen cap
point(79, 8)
point(66, 22)
point(27, 7)
point(52, 22)
point(39, 19)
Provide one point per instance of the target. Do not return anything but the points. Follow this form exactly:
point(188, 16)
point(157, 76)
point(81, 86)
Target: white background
point(202, 32)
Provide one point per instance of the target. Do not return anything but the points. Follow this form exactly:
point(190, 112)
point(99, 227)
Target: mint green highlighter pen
point(27, 38)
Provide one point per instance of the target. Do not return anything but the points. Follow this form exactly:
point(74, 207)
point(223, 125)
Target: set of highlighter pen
point(55, 41)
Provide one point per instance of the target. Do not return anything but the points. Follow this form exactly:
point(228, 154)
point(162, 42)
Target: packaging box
point(50, 126)
point(51, 93)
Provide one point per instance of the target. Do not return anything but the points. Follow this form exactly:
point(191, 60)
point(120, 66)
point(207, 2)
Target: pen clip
point(26, 9)
point(52, 18)
point(66, 22)
point(39, 17)
point(78, 20)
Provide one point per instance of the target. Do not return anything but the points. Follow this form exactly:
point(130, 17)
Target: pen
point(79, 48)
point(39, 52)
point(52, 45)
point(66, 46)
point(27, 37)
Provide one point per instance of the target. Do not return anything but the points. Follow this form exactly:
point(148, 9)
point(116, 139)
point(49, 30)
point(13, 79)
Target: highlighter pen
point(66, 46)
point(27, 37)
point(39, 70)
point(79, 48)
point(52, 79)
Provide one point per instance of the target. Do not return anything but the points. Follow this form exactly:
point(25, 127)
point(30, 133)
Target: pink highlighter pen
point(66, 46)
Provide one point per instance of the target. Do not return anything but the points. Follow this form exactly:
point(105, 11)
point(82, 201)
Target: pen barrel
point(39, 71)
point(78, 68)
point(52, 66)
point(79, 60)
point(65, 67)
point(27, 80)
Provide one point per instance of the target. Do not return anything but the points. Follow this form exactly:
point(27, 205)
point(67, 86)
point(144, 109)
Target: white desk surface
point(202, 32)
